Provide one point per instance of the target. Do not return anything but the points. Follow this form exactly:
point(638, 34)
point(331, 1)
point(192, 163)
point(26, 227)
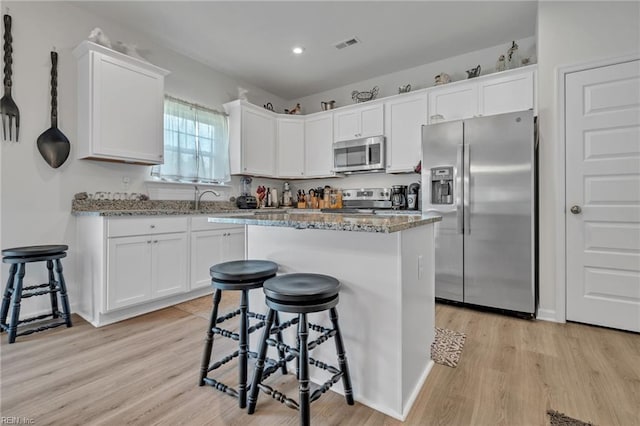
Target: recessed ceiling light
point(298, 50)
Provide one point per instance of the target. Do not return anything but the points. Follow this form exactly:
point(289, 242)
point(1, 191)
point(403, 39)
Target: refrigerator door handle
point(466, 191)
point(458, 191)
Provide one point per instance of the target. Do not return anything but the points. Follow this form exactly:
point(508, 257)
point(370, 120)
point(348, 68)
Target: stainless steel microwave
point(359, 155)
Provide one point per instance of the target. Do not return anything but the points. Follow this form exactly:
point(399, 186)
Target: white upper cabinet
point(514, 92)
point(507, 91)
point(404, 116)
point(318, 142)
point(291, 147)
point(252, 139)
point(453, 103)
point(120, 106)
point(359, 122)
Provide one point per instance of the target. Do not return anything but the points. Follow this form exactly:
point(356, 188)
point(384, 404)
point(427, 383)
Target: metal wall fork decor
point(8, 108)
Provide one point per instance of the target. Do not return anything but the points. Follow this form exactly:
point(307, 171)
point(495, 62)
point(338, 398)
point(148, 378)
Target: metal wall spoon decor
point(52, 143)
point(8, 108)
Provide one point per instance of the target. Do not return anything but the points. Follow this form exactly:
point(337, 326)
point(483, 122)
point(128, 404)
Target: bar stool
point(14, 292)
point(238, 275)
point(302, 294)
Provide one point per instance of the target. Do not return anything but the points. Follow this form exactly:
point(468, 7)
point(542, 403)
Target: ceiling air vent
point(347, 43)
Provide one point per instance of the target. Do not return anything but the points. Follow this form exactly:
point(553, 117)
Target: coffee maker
point(413, 202)
point(398, 197)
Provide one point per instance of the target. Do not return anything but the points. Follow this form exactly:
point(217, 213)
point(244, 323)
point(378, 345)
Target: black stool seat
point(301, 293)
point(35, 250)
point(31, 259)
point(15, 290)
point(242, 274)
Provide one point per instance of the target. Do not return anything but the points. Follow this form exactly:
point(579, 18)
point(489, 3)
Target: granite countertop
point(115, 208)
point(227, 212)
point(329, 221)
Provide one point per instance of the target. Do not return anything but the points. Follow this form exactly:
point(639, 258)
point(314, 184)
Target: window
point(196, 144)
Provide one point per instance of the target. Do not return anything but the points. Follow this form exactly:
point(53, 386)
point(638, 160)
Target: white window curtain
point(196, 144)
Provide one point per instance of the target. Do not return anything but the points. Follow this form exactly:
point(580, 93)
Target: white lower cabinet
point(134, 265)
point(212, 246)
point(129, 275)
point(145, 267)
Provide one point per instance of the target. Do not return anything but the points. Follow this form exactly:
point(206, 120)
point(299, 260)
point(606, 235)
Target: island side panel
point(86, 295)
point(370, 312)
point(418, 310)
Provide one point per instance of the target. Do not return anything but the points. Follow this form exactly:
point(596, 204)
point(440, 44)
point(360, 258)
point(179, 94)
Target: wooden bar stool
point(302, 294)
point(239, 275)
point(14, 292)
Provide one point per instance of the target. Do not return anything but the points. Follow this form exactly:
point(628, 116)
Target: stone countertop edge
point(124, 208)
point(336, 222)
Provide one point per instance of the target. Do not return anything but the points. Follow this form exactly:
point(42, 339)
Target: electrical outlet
point(126, 180)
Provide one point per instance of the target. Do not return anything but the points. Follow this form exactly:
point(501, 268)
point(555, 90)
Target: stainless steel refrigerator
point(479, 175)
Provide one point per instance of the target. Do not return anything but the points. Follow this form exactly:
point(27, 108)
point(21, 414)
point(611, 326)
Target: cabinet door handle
point(148, 241)
point(155, 241)
point(153, 226)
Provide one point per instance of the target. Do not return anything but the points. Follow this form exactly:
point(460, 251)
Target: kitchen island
point(386, 308)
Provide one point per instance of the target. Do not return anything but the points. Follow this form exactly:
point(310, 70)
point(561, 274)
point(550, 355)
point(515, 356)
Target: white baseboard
point(385, 410)
point(548, 315)
point(416, 390)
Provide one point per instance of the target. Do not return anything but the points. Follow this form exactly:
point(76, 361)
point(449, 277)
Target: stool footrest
point(41, 328)
point(279, 396)
point(323, 338)
point(223, 361)
point(273, 366)
point(33, 287)
point(221, 387)
point(40, 317)
point(40, 293)
point(226, 333)
point(316, 394)
point(5, 327)
point(284, 326)
point(227, 316)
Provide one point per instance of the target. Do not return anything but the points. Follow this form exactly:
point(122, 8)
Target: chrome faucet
point(198, 196)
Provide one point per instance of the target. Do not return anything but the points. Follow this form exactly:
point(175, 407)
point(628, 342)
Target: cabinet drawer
point(119, 227)
point(200, 223)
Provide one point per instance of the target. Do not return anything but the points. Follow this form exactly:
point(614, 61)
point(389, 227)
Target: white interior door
point(603, 195)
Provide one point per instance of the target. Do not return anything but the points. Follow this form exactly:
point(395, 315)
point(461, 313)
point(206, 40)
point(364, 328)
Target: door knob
point(576, 209)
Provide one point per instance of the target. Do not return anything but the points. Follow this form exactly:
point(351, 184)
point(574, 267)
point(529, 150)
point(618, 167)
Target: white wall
point(421, 76)
point(570, 33)
point(36, 199)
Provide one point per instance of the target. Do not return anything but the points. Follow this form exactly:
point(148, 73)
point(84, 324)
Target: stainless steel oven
point(359, 155)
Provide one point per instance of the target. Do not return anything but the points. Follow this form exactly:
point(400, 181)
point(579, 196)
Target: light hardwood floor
point(144, 371)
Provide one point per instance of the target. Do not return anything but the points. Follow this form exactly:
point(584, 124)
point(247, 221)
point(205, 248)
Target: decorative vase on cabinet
point(120, 106)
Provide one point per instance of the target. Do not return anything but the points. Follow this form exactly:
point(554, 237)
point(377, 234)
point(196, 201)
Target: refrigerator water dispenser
point(442, 185)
